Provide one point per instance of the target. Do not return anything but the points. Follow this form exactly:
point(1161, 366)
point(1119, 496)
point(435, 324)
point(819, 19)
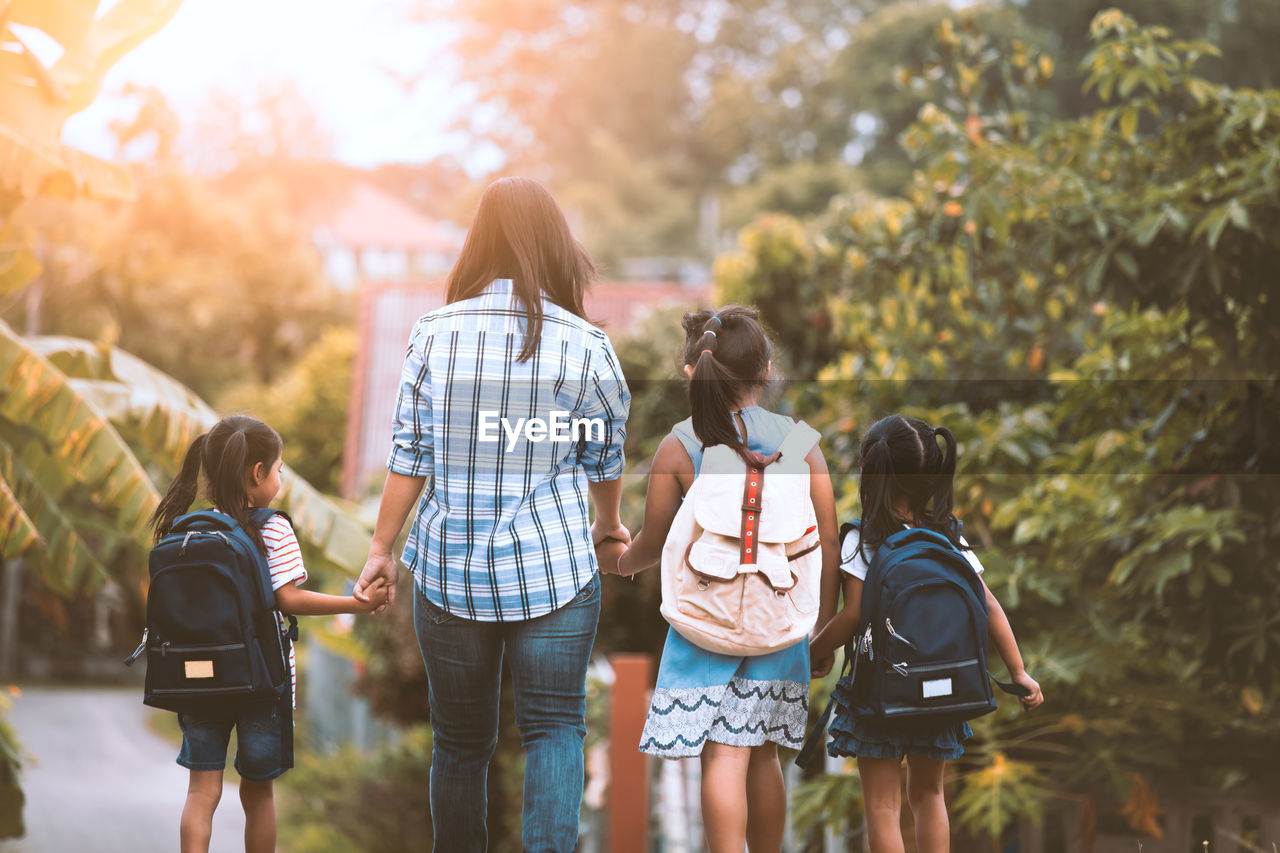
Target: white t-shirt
point(284, 561)
point(853, 561)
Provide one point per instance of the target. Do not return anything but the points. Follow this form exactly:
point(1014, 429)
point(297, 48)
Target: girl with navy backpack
point(731, 710)
point(906, 482)
point(241, 460)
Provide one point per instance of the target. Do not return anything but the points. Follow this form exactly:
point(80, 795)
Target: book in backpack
point(741, 565)
point(213, 640)
point(921, 651)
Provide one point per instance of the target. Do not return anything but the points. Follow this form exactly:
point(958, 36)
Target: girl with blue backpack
point(733, 706)
point(918, 639)
point(241, 459)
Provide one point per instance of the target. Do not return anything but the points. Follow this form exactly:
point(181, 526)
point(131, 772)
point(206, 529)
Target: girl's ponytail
point(729, 356)
point(944, 483)
point(904, 470)
point(227, 453)
point(876, 490)
point(182, 491)
point(227, 486)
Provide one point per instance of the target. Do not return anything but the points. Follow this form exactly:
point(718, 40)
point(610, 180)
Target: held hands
point(380, 567)
point(610, 544)
point(375, 597)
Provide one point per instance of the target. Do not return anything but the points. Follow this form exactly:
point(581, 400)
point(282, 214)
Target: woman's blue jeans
point(548, 658)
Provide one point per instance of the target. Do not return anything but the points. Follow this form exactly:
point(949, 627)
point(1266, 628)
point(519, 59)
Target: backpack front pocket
point(213, 669)
point(708, 594)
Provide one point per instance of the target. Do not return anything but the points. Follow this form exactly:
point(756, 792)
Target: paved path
point(100, 781)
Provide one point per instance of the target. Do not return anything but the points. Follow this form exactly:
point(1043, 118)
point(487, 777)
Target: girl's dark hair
point(520, 233)
point(225, 454)
point(901, 458)
point(729, 352)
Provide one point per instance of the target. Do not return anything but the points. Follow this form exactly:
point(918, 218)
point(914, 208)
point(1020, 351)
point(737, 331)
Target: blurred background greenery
point(1052, 227)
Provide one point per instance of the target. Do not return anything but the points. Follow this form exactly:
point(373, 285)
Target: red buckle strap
point(751, 514)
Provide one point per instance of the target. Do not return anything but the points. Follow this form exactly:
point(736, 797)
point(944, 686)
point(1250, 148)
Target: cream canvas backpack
point(741, 565)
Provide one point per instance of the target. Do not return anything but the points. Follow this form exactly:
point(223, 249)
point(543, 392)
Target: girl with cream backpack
point(740, 515)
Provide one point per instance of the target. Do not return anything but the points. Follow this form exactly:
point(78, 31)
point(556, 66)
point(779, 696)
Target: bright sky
point(339, 53)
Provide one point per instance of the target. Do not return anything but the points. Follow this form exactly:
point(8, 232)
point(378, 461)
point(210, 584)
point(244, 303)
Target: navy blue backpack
point(213, 641)
point(921, 649)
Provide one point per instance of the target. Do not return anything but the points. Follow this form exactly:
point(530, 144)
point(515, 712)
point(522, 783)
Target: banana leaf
point(38, 397)
point(160, 416)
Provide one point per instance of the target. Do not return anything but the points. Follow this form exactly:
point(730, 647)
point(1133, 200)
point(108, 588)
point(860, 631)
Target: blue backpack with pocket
point(921, 648)
point(213, 640)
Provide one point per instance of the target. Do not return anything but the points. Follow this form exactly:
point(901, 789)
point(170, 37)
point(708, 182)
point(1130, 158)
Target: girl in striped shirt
point(242, 462)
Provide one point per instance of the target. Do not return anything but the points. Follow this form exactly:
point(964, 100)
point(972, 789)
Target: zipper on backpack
point(866, 645)
point(139, 650)
point(224, 647)
point(888, 624)
point(905, 668)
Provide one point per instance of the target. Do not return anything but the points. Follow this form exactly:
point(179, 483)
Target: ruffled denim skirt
point(852, 736)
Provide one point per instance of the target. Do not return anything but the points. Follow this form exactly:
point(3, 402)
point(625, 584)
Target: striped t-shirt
point(284, 561)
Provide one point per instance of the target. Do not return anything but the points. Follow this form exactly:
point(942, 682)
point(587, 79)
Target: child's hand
point(820, 667)
point(1034, 697)
point(375, 596)
point(608, 553)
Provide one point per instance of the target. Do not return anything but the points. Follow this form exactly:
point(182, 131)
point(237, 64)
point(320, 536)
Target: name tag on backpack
point(934, 688)
point(199, 668)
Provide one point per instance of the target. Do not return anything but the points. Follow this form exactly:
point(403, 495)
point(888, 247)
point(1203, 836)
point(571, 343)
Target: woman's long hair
point(520, 233)
point(901, 459)
point(729, 353)
point(226, 454)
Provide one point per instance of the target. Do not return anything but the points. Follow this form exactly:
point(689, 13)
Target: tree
point(308, 405)
point(1083, 301)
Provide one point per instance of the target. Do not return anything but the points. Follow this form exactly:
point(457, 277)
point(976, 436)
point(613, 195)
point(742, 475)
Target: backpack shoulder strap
point(204, 518)
point(847, 528)
point(799, 441)
point(260, 515)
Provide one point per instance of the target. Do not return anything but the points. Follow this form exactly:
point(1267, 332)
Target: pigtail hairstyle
point(182, 491)
point(227, 454)
point(729, 353)
point(942, 509)
point(901, 460)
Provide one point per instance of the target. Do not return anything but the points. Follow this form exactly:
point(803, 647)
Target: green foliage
point(11, 796)
point(308, 406)
point(349, 802)
point(91, 436)
point(1084, 303)
point(190, 263)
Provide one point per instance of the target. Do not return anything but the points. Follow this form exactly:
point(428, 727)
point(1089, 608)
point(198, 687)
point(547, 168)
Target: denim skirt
point(854, 736)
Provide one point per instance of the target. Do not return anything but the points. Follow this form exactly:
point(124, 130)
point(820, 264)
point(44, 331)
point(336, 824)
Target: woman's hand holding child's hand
point(374, 596)
point(610, 544)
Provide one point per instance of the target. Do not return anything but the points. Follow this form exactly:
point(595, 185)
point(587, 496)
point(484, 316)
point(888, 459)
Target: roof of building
point(368, 217)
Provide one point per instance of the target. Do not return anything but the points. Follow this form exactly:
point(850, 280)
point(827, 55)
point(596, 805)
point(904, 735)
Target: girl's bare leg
point(928, 807)
point(204, 789)
point(882, 797)
point(766, 800)
point(724, 796)
point(258, 799)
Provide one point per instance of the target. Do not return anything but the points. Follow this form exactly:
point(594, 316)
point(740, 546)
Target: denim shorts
point(264, 741)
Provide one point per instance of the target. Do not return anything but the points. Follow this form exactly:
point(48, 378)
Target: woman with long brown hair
point(512, 412)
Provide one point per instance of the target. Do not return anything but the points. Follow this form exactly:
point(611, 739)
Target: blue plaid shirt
point(502, 532)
